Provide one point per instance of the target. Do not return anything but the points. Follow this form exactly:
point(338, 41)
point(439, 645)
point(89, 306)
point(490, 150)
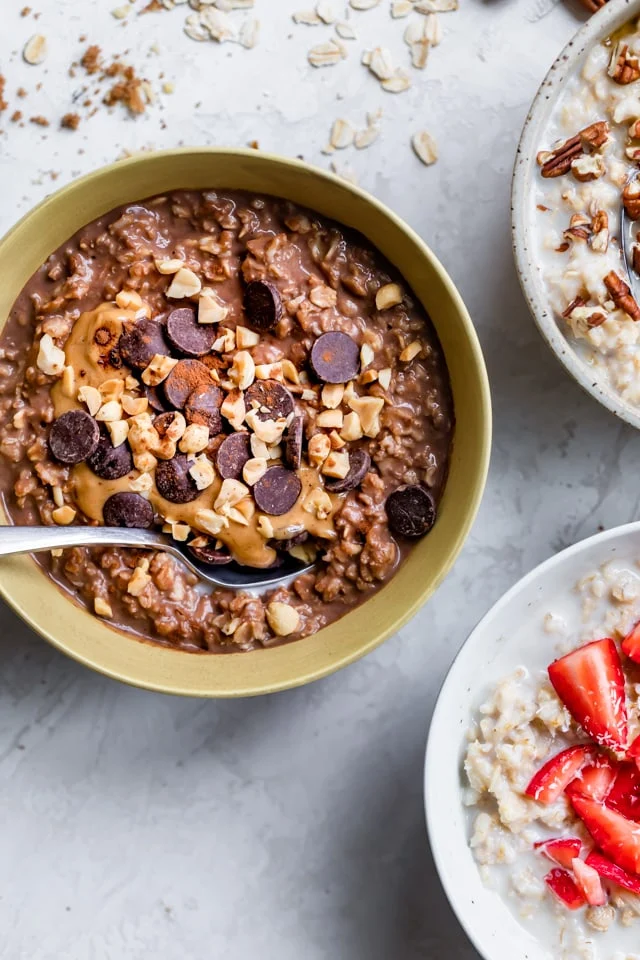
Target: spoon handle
point(32, 539)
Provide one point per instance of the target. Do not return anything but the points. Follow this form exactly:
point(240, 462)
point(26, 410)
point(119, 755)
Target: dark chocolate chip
point(109, 462)
point(232, 455)
point(359, 465)
point(73, 436)
point(335, 357)
point(276, 491)
point(189, 337)
point(127, 510)
point(140, 341)
point(183, 380)
point(293, 443)
point(262, 305)
point(155, 398)
point(173, 480)
point(269, 394)
point(295, 541)
point(210, 554)
point(203, 406)
point(411, 511)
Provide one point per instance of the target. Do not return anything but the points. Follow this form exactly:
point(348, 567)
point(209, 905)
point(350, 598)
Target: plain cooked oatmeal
point(518, 731)
point(589, 154)
point(253, 380)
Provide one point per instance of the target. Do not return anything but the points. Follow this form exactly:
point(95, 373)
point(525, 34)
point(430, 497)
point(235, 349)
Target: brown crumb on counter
point(16, 116)
point(70, 121)
point(25, 11)
point(153, 7)
point(91, 60)
point(3, 102)
point(40, 121)
point(21, 92)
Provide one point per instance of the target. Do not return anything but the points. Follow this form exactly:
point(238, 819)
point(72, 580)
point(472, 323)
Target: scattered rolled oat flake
point(249, 34)
point(436, 6)
point(401, 8)
point(35, 49)
point(363, 4)
point(194, 29)
point(345, 31)
point(398, 83)
point(307, 17)
point(342, 134)
point(425, 147)
point(326, 11)
point(120, 13)
point(326, 54)
point(380, 62)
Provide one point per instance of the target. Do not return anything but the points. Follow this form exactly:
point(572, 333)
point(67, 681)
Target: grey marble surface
point(137, 825)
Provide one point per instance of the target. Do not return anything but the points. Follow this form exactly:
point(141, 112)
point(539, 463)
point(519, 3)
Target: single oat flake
point(35, 50)
point(363, 4)
point(425, 147)
point(326, 54)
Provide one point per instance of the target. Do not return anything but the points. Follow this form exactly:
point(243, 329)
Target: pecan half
point(624, 66)
point(631, 199)
point(586, 168)
point(585, 316)
point(633, 153)
point(634, 130)
point(579, 228)
point(556, 162)
point(578, 302)
point(621, 295)
point(635, 257)
point(600, 232)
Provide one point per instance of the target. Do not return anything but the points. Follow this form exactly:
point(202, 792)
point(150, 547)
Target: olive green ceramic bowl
point(90, 640)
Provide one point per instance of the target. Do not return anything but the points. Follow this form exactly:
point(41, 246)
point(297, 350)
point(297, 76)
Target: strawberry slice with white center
point(610, 871)
point(590, 683)
point(634, 752)
point(595, 780)
point(616, 836)
point(588, 881)
point(550, 781)
point(562, 851)
point(562, 884)
point(631, 643)
point(624, 795)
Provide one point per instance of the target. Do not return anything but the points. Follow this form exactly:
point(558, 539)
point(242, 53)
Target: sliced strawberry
point(610, 871)
point(634, 751)
point(596, 779)
point(551, 779)
point(616, 836)
point(563, 885)
point(562, 851)
point(588, 881)
point(590, 683)
point(624, 795)
point(631, 643)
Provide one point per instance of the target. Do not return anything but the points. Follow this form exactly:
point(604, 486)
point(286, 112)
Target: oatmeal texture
point(590, 153)
point(519, 727)
point(208, 305)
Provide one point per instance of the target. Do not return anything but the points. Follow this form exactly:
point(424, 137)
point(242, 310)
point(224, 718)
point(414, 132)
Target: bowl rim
point(456, 902)
point(611, 16)
point(483, 399)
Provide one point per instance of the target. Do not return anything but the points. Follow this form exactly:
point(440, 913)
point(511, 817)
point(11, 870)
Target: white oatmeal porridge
point(589, 152)
point(515, 804)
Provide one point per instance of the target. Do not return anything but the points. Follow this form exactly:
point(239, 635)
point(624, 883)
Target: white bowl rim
point(429, 775)
point(613, 15)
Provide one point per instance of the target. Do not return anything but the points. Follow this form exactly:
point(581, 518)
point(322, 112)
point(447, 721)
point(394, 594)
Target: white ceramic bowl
point(526, 171)
point(507, 637)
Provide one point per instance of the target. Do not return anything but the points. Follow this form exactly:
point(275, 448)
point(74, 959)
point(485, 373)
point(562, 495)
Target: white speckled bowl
point(612, 16)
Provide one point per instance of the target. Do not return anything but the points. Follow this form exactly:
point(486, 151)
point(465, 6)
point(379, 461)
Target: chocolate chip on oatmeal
point(73, 437)
point(359, 466)
point(210, 554)
point(173, 480)
point(277, 491)
point(232, 455)
point(291, 542)
point(203, 406)
point(189, 337)
point(411, 511)
point(155, 398)
point(183, 380)
point(109, 462)
point(262, 305)
point(127, 510)
point(141, 340)
point(276, 399)
point(335, 357)
point(293, 443)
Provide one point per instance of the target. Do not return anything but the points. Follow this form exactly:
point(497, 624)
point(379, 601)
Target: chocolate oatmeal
point(242, 374)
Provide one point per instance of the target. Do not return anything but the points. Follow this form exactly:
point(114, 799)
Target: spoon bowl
point(231, 575)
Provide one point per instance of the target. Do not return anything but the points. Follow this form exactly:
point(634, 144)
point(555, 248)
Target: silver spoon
point(627, 241)
point(233, 575)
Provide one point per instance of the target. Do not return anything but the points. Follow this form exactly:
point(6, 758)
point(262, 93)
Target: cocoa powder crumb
point(3, 102)
point(40, 121)
point(153, 7)
point(21, 92)
point(16, 116)
point(25, 11)
point(70, 121)
point(91, 59)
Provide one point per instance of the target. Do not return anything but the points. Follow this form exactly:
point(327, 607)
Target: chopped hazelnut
point(264, 526)
point(51, 359)
point(330, 418)
point(180, 531)
point(141, 484)
point(318, 448)
point(351, 428)
point(318, 502)
point(258, 447)
point(91, 397)
point(366, 355)
point(390, 295)
point(369, 376)
point(290, 371)
point(323, 296)
point(134, 405)
point(129, 300)
point(268, 430)
point(210, 309)
point(246, 508)
point(140, 579)
point(110, 411)
point(282, 618)
point(210, 522)
point(195, 438)
point(102, 608)
point(63, 516)
point(118, 431)
point(185, 283)
point(231, 492)
point(111, 389)
point(58, 496)
point(337, 443)
point(144, 461)
point(243, 370)
point(409, 353)
point(246, 338)
point(167, 267)
point(332, 394)
point(368, 410)
point(233, 408)
point(202, 472)
point(158, 370)
point(177, 428)
point(69, 382)
point(253, 470)
point(384, 378)
point(269, 371)
point(336, 465)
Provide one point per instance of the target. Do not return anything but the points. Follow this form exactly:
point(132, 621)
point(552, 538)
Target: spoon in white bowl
point(626, 242)
point(228, 574)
